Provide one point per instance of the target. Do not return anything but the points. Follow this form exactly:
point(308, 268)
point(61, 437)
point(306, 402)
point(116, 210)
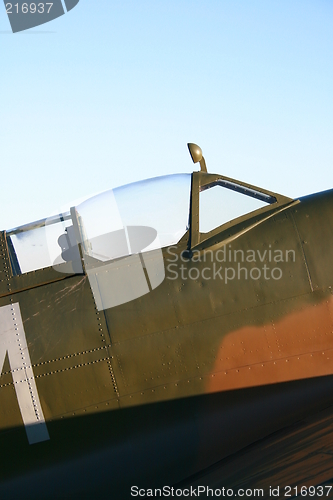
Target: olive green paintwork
point(156, 389)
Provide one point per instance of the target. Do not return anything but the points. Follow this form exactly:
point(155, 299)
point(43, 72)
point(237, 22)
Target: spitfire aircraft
point(157, 329)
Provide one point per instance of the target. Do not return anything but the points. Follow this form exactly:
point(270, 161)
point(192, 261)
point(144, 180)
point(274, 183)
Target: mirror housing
point(196, 155)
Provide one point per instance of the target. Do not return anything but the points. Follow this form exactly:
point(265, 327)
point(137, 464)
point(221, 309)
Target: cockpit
point(116, 238)
point(138, 217)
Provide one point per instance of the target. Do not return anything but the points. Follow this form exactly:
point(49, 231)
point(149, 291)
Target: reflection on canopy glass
point(138, 217)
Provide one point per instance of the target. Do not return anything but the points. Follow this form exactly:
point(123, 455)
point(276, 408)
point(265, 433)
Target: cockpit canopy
point(131, 219)
point(107, 225)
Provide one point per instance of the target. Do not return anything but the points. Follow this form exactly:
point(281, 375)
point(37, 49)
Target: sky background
point(112, 91)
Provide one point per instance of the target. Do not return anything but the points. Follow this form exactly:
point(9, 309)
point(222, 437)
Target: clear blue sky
point(112, 91)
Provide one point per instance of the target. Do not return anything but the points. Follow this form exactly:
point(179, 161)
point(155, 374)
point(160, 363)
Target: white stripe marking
point(13, 341)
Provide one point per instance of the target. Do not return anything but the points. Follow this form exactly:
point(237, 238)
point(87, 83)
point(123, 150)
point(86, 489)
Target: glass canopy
point(138, 217)
point(128, 220)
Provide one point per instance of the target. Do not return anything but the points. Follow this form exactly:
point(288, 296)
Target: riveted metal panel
point(75, 388)
point(68, 343)
point(314, 224)
point(137, 368)
point(5, 267)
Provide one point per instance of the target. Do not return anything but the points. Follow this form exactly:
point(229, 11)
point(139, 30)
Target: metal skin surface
point(153, 391)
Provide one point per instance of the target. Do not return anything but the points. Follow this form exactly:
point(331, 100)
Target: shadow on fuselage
point(104, 454)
